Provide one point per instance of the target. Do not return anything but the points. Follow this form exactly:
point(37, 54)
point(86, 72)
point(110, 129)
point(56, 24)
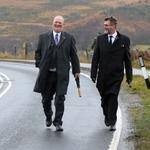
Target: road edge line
point(116, 135)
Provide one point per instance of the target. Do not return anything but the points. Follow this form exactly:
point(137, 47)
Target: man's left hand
point(77, 75)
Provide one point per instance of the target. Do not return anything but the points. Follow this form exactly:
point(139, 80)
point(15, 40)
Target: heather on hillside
point(22, 21)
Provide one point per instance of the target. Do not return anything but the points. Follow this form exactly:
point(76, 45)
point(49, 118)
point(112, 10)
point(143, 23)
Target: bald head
point(58, 23)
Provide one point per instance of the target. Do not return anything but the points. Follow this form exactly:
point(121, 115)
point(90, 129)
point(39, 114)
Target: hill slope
point(22, 21)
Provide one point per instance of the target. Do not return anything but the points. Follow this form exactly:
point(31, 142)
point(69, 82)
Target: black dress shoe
point(48, 122)
point(59, 128)
point(112, 128)
point(107, 122)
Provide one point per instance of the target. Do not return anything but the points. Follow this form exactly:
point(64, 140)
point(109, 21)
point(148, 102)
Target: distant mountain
point(22, 21)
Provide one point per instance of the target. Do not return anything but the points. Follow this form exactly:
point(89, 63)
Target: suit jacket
point(66, 52)
point(108, 63)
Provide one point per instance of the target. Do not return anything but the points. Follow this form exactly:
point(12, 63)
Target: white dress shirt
point(113, 37)
point(59, 34)
point(54, 34)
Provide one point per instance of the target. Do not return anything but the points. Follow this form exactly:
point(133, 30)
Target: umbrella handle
point(79, 92)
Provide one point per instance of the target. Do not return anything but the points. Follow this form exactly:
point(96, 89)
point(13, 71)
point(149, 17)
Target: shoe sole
point(112, 129)
point(59, 130)
point(48, 124)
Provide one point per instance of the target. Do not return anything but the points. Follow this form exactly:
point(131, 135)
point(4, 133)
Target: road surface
point(22, 121)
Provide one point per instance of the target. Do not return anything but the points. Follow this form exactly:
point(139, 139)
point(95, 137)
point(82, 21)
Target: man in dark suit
point(111, 55)
point(56, 49)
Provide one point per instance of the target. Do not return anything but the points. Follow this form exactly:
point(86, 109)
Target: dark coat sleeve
point(127, 60)
point(95, 61)
point(74, 57)
point(38, 54)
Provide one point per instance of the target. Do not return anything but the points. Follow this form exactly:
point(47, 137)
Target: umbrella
point(78, 85)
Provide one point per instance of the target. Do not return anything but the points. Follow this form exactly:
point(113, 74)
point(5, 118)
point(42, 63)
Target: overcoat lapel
point(50, 40)
point(106, 39)
point(116, 39)
point(62, 39)
point(106, 42)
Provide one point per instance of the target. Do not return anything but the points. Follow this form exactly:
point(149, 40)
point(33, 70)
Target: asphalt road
point(22, 121)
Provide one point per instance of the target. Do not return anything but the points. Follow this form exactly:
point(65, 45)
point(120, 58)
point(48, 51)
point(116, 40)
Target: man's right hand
point(129, 82)
point(36, 64)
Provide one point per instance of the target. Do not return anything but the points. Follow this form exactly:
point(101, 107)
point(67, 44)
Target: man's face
point(58, 24)
point(109, 28)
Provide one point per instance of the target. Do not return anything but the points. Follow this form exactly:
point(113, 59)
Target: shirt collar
point(113, 35)
point(54, 33)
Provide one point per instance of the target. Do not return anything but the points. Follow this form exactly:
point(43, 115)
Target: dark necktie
point(56, 39)
point(110, 39)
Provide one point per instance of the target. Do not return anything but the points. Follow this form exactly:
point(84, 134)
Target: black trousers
point(47, 97)
point(109, 103)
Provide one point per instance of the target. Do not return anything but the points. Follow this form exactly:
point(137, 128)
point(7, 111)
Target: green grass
point(141, 115)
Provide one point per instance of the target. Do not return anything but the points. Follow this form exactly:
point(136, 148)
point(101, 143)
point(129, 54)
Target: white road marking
point(116, 135)
point(9, 84)
point(1, 82)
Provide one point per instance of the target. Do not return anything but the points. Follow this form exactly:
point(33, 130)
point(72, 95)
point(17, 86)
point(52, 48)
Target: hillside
point(23, 20)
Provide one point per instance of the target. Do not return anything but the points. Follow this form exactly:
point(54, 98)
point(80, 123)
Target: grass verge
point(141, 114)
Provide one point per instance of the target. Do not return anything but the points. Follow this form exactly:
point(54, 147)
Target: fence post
point(26, 50)
point(142, 65)
point(15, 51)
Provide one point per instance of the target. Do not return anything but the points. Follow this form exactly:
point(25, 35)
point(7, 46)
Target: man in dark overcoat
point(111, 56)
point(56, 49)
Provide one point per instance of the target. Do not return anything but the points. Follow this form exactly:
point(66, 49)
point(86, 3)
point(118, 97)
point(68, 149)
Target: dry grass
point(23, 4)
point(77, 8)
point(20, 55)
point(23, 24)
point(114, 4)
